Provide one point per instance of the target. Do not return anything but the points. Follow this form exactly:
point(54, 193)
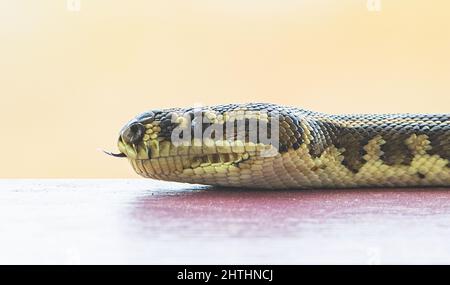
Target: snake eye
point(133, 133)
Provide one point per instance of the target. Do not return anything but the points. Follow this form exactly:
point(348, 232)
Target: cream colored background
point(69, 80)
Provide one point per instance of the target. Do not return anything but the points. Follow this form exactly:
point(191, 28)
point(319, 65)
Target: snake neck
point(394, 139)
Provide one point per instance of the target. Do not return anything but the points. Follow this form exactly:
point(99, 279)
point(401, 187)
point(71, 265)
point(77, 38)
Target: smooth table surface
point(141, 221)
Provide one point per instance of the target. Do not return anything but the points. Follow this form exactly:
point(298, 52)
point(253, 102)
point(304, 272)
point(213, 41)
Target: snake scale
point(311, 149)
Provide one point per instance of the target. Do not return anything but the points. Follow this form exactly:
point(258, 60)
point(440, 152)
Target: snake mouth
point(218, 159)
point(154, 158)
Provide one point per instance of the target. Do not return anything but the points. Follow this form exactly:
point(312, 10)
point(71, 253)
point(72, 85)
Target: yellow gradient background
point(69, 80)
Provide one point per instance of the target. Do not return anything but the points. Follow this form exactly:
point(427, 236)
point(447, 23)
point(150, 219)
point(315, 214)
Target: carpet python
point(309, 149)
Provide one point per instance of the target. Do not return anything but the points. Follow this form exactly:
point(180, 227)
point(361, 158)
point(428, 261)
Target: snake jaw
point(159, 158)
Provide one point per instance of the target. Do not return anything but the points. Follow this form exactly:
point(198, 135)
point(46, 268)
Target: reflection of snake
point(315, 149)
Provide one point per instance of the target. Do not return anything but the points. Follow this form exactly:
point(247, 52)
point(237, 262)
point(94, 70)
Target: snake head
point(217, 145)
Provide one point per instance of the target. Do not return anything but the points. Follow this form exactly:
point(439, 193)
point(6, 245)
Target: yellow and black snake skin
point(315, 150)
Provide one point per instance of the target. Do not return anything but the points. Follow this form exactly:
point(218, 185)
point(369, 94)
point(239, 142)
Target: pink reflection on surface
point(228, 212)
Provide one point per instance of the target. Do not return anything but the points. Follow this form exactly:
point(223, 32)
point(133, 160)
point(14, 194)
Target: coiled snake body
point(313, 150)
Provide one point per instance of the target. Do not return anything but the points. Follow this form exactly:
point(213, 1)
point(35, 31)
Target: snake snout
point(133, 133)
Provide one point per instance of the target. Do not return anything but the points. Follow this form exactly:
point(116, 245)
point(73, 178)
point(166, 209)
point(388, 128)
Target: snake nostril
point(133, 133)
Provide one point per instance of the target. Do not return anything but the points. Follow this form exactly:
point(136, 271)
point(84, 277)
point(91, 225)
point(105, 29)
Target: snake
point(265, 145)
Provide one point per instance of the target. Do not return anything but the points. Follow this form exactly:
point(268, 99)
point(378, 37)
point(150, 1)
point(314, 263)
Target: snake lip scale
point(263, 145)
